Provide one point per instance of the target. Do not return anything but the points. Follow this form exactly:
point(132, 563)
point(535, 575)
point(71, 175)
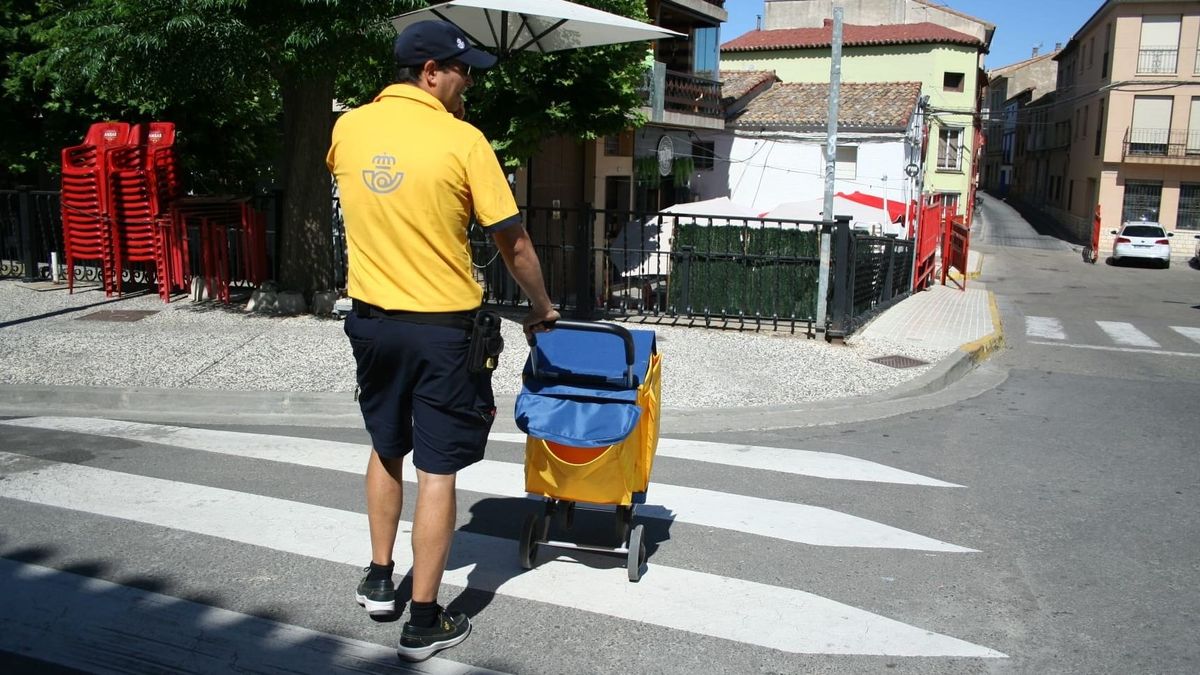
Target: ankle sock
point(423, 614)
point(380, 572)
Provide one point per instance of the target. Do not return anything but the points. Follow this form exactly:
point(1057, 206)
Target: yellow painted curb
point(957, 275)
point(981, 349)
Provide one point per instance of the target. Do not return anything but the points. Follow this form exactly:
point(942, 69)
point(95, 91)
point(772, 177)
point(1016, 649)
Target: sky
point(1021, 25)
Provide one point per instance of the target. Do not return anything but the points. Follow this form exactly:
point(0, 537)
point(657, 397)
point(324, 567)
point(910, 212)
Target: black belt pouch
point(483, 354)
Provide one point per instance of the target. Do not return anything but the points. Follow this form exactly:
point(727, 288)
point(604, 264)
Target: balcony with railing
point(682, 98)
point(1159, 61)
point(1162, 146)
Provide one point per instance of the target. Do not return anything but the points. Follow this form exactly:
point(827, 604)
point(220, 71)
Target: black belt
point(464, 319)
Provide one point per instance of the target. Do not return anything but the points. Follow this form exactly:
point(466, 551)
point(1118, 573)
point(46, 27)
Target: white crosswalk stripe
point(1123, 336)
point(782, 520)
point(1189, 332)
point(1046, 327)
point(688, 600)
point(1127, 334)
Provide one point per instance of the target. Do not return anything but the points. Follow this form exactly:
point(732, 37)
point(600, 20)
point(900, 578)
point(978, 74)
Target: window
point(950, 201)
point(1099, 130)
point(1159, 49)
point(703, 154)
point(1091, 55)
point(1070, 194)
point(619, 145)
point(1142, 199)
point(707, 54)
point(949, 149)
point(1189, 207)
point(952, 81)
point(1107, 47)
point(1083, 129)
point(1151, 127)
point(846, 165)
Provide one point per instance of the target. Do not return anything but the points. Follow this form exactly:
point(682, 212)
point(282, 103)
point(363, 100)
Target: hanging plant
point(645, 170)
point(682, 170)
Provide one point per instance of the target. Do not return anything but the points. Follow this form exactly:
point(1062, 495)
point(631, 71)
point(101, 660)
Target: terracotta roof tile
point(852, 36)
point(864, 105)
point(737, 83)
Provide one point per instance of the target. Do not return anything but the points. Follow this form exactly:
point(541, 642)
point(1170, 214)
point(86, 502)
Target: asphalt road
point(1048, 524)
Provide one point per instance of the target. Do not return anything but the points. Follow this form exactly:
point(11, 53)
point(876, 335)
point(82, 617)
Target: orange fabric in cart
point(608, 475)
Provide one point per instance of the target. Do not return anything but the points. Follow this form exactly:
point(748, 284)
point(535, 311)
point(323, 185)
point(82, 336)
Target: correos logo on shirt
point(382, 179)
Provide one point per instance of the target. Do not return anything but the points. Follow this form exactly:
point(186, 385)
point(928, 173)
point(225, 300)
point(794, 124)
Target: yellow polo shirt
point(410, 175)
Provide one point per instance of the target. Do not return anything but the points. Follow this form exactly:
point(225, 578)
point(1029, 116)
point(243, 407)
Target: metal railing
point(1157, 61)
point(692, 95)
point(870, 274)
point(1178, 143)
point(30, 229)
point(667, 267)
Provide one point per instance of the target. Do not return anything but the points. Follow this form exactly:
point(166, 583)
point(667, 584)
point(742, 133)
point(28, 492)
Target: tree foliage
point(249, 86)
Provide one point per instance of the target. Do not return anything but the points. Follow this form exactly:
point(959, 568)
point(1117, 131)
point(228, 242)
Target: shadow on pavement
point(61, 620)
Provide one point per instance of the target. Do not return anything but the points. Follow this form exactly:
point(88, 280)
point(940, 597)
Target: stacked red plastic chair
point(86, 209)
point(143, 183)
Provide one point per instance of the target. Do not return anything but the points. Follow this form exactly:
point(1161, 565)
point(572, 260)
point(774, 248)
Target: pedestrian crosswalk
point(1114, 335)
point(681, 596)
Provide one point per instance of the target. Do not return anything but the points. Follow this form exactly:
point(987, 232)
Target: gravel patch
point(211, 346)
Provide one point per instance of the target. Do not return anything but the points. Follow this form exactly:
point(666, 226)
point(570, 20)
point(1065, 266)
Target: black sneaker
point(418, 644)
point(379, 597)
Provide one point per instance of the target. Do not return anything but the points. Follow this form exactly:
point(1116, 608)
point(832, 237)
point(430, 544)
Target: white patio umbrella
point(509, 26)
point(642, 248)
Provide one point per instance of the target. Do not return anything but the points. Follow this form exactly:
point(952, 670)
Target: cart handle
point(593, 327)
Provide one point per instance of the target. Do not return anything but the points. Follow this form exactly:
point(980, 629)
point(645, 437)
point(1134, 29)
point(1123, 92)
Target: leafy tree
point(249, 85)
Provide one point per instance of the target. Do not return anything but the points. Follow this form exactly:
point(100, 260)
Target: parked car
point(1198, 249)
point(1142, 240)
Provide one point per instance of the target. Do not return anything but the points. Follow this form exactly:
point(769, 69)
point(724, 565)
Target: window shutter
point(1160, 32)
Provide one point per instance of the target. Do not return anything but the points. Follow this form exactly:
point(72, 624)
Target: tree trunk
point(306, 233)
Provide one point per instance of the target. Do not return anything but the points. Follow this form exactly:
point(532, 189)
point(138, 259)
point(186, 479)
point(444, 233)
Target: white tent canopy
point(642, 247)
point(508, 26)
point(862, 216)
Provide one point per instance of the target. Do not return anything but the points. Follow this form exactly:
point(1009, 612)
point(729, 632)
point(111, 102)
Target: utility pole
point(835, 88)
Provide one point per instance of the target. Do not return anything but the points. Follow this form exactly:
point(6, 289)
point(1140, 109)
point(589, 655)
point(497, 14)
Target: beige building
point(1128, 101)
point(1009, 97)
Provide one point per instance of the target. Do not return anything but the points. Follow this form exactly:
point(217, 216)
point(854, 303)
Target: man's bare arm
point(521, 259)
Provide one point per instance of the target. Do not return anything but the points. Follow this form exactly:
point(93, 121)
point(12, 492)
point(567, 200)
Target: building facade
point(776, 142)
point(946, 61)
point(1005, 88)
point(1128, 100)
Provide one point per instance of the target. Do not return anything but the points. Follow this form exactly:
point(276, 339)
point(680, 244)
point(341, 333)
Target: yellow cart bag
point(590, 406)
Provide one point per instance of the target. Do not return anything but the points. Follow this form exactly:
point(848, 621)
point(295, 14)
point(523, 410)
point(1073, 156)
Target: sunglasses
point(458, 66)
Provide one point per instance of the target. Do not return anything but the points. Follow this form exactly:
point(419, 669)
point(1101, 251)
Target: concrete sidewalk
point(58, 356)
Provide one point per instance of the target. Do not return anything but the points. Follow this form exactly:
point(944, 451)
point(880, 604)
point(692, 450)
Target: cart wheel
point(637, 553)
point(565, 514)
point(624, 517)
point(528, 545)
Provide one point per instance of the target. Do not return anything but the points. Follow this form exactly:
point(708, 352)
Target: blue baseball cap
point(438, 41)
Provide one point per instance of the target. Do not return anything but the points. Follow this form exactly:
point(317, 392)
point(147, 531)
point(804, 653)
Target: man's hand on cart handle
point(539, 321)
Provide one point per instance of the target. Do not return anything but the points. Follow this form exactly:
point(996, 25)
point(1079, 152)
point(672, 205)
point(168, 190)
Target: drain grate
point(118, 315)
point(897, 361)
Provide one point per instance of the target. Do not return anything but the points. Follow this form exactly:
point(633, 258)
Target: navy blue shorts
point(416, 394)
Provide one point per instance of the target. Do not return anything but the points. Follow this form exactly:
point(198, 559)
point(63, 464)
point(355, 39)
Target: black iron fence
point(870, 274)
point(31, 236)
point(30, 230)
point(678, 268)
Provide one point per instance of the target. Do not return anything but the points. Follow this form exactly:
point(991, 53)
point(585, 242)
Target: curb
point(339, 410)
point(979, 350)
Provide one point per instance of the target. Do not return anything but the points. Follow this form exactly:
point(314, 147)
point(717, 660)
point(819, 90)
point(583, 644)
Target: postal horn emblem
point(383, 178)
